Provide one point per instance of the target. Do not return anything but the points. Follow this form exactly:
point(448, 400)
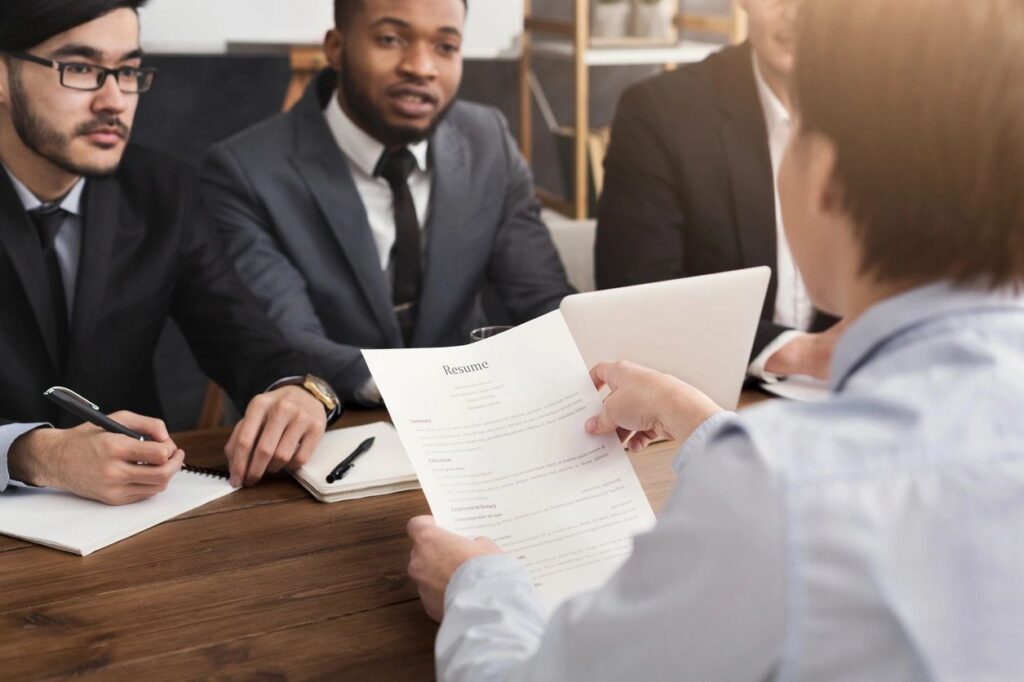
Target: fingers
point(265, 454)
point(287, 447)
point(136, 452)
point(158, 476)
point(614, 374)
point(243, 440)
point(640, 440)
point(124, 498)
point(130, 483)
point(436, 555)
point(304, 431)
point(599, 375)
point(278, 428)
point(307, 445)
point(490, 545)
point(418, 524)
point(236, 470)
point(153, 429)
point(601, 424)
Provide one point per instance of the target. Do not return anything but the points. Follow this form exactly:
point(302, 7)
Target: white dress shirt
point(876, 536)
point(363, 152)
point(68, 245)
point(793, 305)
point(68, 242)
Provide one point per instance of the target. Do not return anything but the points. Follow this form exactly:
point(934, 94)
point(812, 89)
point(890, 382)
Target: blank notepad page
point(60, 520)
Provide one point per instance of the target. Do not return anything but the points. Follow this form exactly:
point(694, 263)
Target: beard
point(370, 118)
point(51, 144)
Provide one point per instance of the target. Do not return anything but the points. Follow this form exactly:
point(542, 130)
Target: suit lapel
point(100, 224)
point(19, 239)
point(326, 172)
point(450, 181)
point(745, 142)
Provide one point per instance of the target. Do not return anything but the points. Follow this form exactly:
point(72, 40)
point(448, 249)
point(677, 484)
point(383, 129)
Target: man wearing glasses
point(101, 241)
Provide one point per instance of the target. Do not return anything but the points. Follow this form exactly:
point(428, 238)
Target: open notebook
point(60, 520)
point(383, 469)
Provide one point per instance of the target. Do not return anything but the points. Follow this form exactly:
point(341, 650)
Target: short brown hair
point(924, 101)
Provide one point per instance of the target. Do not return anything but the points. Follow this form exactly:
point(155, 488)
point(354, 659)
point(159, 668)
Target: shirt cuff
point(8, 434)
point(368, 394)
point(481, 568)
point(285, 381)
point(698, 441)
point(502, 569)
point(492, 619)
point(756, 368)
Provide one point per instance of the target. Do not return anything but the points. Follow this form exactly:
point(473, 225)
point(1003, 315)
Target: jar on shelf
point(611, 19)
point(654, 19)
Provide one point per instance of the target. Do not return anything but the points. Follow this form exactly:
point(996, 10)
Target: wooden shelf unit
point(570, 39)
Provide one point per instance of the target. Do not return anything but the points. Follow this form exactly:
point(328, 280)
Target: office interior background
point(225, 65)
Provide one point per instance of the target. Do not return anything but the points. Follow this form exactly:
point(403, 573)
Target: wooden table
point(265, 583)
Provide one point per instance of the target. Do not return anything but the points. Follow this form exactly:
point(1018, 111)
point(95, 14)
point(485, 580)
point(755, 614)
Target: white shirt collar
point(72, 202)
point(362, 149)
point(775, 112)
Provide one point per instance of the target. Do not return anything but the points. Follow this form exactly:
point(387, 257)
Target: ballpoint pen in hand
point(83, 409)
point(339, 471)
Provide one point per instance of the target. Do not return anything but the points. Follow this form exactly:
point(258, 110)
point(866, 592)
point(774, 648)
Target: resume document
point(495, 431)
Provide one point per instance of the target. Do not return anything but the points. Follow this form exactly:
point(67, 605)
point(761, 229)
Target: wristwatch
point(319, 389)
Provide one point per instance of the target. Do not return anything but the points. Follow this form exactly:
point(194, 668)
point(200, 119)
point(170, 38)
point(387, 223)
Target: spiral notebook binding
point(205, 471)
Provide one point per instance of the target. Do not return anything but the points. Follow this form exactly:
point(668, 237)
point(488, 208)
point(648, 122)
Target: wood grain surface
point(264, 584)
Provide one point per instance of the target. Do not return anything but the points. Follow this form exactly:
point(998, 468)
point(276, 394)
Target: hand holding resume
point(495, 431)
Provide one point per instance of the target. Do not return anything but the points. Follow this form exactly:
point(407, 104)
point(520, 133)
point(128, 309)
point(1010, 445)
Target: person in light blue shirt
point(878, 535)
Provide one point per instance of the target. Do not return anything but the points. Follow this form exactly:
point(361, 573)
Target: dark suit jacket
point(284, 199)
point(147, 254)
point(688, 184)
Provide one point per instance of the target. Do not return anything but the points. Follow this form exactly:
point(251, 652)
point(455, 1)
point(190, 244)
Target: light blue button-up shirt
point(878, 535)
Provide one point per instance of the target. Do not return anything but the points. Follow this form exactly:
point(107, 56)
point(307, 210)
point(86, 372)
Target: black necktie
point(396, 167)
point(48, 219)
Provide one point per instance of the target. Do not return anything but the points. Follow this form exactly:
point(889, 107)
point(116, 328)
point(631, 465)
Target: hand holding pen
point(112, 466)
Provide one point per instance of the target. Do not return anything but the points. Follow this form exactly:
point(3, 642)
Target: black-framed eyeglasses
point(80, 76)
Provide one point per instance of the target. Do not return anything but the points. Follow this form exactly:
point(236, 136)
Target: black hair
point(345, 10)
point(27, 23)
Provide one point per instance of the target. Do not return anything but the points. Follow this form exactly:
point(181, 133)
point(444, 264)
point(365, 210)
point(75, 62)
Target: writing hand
point(90, 462)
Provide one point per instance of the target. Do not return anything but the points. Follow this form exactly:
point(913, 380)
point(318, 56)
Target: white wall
point(206, 26)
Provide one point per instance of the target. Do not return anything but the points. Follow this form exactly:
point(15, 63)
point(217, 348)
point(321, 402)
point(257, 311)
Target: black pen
point(83, 409)
point(339, 471)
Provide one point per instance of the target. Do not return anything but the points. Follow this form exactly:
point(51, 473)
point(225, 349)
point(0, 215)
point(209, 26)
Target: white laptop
point(700, 329)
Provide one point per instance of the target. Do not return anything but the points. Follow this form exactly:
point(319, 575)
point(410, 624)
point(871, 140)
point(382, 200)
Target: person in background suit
point(101, 241)
point(873, 536)
point(371, 214)
point(690, 186)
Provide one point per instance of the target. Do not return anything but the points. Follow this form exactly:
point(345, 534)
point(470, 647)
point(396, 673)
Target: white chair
point(574, 240)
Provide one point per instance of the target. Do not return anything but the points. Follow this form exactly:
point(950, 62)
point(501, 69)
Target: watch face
point(324, 388)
